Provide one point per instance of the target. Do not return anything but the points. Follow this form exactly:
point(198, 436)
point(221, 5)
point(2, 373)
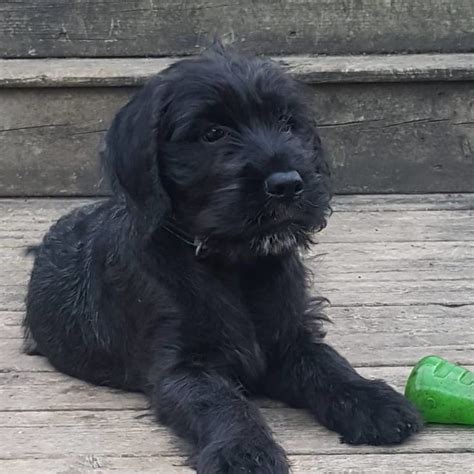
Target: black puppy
point(188, 285)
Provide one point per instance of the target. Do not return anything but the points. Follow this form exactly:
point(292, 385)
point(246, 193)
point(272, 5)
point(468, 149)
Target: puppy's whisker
point(229, 188)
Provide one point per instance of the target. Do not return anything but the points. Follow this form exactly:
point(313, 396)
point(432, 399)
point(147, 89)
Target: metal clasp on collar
point(200, 247)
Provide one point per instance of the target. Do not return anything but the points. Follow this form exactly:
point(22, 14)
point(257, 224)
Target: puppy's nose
point(284, 185)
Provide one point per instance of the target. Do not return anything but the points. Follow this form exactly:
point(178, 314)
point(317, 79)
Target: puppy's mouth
point(275, 224)
point(271, 238)
point(279, 230)
point(261, 244)
point(273, 229)
point(276, 235)
point(277, 243)
point(278, 220)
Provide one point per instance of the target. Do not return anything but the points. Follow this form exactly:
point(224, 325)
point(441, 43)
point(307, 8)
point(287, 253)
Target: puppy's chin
point(274, 244)
point(277, 243)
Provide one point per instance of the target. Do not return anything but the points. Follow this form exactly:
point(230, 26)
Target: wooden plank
point(378, 288)
point(345, 293)
point(397, 335)
point(439, 462)
point(53, 391)
point(154, 462)
point(401, 138)
point(52, 139)
point(361, 321)
point(380, 68)
point(399, 263)
point(346, 263)
point(351, 271)
point(113, 72)
point(398, 226)
point(50, 422)
point(403, 202)
point(367, 335)
point(432, 462)
point(104, 28)
point(380, 138)
point(85, 72)
point(373, 293)
point(25, 226)
point(30, 207)
point(79, 433)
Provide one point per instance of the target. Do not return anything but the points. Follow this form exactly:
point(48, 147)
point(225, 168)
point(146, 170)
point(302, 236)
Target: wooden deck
point(399, 271)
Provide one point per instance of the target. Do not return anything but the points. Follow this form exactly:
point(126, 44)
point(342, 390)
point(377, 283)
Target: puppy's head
point(224, 146)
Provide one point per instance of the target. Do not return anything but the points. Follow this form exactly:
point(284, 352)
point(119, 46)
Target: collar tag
point(200, 247)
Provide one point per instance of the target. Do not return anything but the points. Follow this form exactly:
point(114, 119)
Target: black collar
point(198, 244)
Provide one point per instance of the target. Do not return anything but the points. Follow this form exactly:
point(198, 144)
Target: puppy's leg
point(313, 375)
point(227, 429)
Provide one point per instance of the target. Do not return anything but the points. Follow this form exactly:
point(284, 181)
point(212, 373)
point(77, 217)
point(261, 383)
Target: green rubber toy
point(443, 392)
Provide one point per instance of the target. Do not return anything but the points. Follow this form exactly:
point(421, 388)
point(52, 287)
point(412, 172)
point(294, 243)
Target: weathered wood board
point(53, 391)
point(386, 138)
point(301, 464)
point(22, 221)
point(396, 277)
point(123, 72)
point(348, 284)
point(50, 139)
point(53, 423)
point(395, 336)
point(55, 433)
point(65, 28)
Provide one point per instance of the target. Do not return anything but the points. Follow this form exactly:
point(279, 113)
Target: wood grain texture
point(39, 434)
point(403, 202)
point(384, 335)
point(398, 137)
point(399, 275)
point(401, 463)
point(53, 423)
point(341, 203)
point(379, 138)
point(341, 262)
point(51, 139)
point(399, 286)
point(52, 391)
point(64, 28)
point(367, 335)
point(27, 221)
point(367, 322)
point(113, 72)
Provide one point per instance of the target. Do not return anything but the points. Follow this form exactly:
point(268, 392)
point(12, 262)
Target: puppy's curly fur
point(187, 284)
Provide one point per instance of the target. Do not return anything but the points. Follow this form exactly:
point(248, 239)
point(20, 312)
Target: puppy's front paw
point(376, 414)
point(246, 456)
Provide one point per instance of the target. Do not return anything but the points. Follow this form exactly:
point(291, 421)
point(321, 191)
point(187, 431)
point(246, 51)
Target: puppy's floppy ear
point(131, 156)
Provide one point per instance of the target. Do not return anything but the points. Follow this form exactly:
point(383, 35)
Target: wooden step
point(121, 72)
point(401, 123)
point(111, 28)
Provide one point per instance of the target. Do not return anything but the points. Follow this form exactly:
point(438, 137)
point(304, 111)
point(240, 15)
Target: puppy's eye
point(214, 134)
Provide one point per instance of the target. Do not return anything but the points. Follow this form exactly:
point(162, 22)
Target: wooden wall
point(102, 28)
